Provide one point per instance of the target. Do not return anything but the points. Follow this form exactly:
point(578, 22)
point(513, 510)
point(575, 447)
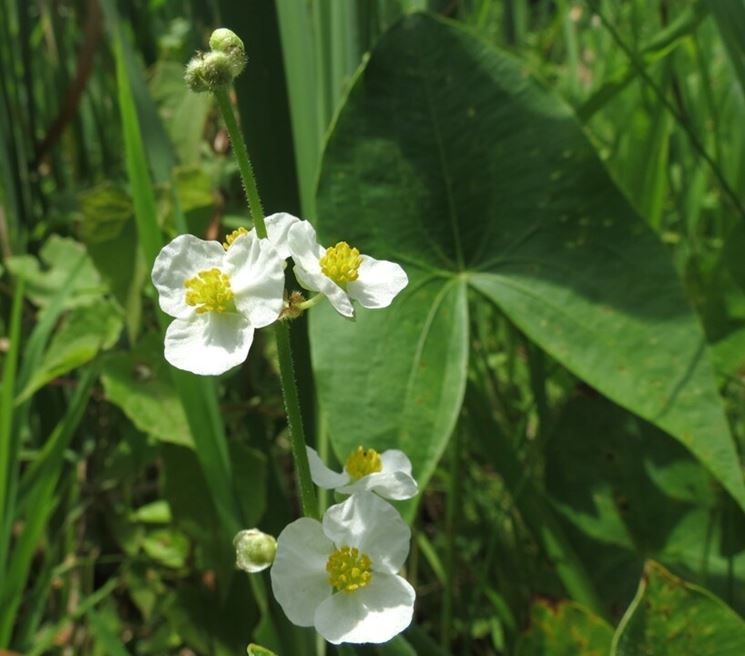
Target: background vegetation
point(565, 370)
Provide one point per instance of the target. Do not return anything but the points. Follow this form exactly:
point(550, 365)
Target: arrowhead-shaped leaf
point(450, 159)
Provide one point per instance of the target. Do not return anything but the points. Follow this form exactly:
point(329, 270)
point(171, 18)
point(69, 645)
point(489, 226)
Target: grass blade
point(197, 395)
point(41, 502)
point(6, 415)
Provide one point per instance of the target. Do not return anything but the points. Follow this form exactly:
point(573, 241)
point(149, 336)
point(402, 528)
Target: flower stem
point(306, 305)
point(282, 331)
point(244, 161)
point(295, 419)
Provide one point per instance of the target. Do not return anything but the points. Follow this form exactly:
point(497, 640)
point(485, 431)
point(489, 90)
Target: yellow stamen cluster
point(341, 263)
point(229, 239)
point(209, 291)
point(348, 569)
point(362, 462)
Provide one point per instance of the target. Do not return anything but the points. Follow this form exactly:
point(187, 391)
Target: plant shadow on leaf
point(627, 492)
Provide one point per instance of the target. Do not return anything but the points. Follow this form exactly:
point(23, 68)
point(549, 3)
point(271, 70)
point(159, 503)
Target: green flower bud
point(228, 42)
point(254, 550)
point(208, 72)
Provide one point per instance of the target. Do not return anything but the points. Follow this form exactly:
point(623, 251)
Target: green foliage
point(59, 259)
point(485, 179)
point(670, 616)
point(633, 494)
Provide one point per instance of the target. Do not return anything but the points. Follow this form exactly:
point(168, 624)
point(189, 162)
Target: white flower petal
point(305, 249)
point(396, 485)
point(375, 613)
point(257, 279)
point(179, 260)
point(299, 578)
point(321, 283)
point(277, 227)
point(208, 344)
point(374, 526)
point(323, 476)
point(394, 460)
point(306, 253)
point(378, 283)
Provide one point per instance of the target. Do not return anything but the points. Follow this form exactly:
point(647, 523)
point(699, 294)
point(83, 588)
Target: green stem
point(295, 420)
point(313, 300)
point(244, 161)
point(282, 330)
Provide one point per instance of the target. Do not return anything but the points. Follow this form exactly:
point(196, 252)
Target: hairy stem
point(244, 161)
point(281, 328)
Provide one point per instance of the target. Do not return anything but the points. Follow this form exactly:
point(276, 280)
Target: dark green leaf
point(395, 378)
point(629, 493)
point(448, 158)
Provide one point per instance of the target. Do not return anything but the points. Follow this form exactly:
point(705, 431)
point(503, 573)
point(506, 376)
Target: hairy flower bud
point(228, 42)
point(254, 550)
point(208, 71)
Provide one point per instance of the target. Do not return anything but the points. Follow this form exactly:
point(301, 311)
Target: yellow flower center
point(210, 291)
point(362, 462)
point(341, 263)
point(229, 239)
point(348, 569)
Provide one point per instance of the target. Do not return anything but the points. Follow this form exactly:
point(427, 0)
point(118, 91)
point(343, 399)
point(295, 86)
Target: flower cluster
point(341, 575)
point(218, 294)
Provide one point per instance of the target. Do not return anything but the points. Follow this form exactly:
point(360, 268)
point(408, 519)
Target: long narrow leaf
point(6, 415)
point(197, 395)
point(40, 502)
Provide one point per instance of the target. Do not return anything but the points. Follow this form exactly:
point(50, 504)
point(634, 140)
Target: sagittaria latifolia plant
point(339, 575)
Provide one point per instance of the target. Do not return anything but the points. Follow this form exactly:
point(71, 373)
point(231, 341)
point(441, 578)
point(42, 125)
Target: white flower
point(341, 576)
point(277, 227)
point(217, 296)
point(340, 273)
point(388, 473)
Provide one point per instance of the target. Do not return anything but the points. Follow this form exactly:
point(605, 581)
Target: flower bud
point(228, 42)
point(208, 72)
point(254, 550)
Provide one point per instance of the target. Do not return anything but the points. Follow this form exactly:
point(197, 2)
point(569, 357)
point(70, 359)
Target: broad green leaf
point(396, 377)
point(564, 629)
point(139, 383)
point(58, 257)
point(628, 492)
point(84, 333)
point(450, 159)
point(669, 617)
